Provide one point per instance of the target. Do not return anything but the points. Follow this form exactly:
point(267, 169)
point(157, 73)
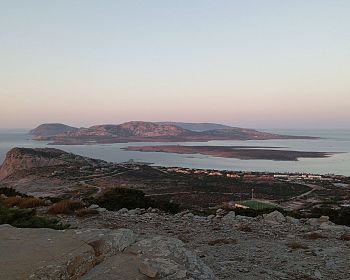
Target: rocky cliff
point(27, 158)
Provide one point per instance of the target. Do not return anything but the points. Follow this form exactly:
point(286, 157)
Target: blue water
point(332, 141)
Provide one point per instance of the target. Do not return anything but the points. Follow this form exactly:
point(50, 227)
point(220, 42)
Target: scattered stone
point(123, 211)
point(94, 206)
point(220, 213)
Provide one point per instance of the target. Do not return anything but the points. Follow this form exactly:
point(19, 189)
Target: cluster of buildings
point(260, 176)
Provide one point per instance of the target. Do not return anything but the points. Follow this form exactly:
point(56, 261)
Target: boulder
point(318, 221)
point(123, 211)
point(230, 217)
point(220, 213)
point(148, 270)
point(274, 217)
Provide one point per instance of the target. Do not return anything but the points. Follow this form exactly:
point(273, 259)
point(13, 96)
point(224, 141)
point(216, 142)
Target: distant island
point(240, 152)
point(140, 131)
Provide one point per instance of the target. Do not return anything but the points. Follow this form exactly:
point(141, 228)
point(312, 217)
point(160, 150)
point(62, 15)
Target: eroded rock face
point(167, 258)
point(95, 254)
point(23, 158)
point(27, 158)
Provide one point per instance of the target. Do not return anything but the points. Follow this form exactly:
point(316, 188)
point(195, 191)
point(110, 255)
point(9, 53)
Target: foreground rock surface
point(238, 247)
point(95, 254)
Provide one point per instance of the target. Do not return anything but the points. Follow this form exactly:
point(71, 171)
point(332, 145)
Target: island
point(239, 152)
point(141, 131)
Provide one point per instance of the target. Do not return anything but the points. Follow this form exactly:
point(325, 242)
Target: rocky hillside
point(48, 130)
point(129, 129)
point(197, 126)
point(27, 158)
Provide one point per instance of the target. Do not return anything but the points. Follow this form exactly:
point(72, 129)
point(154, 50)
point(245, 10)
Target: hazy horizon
point(255, 64)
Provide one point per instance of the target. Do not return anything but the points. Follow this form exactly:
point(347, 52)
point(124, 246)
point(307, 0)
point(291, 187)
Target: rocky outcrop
point(27, 158)
point(95, 254)
point(167, 258)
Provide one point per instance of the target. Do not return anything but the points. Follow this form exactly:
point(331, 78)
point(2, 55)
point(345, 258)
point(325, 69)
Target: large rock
point(43, 254)
point(168, 259)
point(95, 254)
point(318, 221)
point(274, 217)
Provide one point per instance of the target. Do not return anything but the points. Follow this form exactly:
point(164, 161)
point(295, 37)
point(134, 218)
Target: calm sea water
point(332, 141)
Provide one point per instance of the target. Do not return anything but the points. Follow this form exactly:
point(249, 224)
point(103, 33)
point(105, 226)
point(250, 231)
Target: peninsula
point(240, 152)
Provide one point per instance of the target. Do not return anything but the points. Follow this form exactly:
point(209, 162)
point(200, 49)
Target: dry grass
point(314, 236)
point(222, 241)
point(65, 207)
point(23, 202)
point(86, 212)
point(345, 237)
point(297, 246)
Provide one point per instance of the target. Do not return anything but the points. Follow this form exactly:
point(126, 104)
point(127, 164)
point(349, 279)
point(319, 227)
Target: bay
point(331, 141)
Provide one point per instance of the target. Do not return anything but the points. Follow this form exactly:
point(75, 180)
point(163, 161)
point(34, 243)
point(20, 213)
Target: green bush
point(118, 198)
point(11, 192)
point(24, 218)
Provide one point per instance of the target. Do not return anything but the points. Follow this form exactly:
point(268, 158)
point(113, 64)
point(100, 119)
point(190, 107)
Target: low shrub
point(86, 212)
point(10, 192)
point(65, 207)
point(25, 218)
point(118, 198)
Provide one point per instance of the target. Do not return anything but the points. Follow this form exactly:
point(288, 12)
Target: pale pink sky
point(274, 64)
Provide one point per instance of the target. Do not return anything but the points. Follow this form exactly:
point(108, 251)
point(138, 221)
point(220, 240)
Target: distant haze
point(259, 64)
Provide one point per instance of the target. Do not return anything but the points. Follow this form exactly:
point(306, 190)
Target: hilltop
point(138, 131)
point(19, 159)
point(47, 130)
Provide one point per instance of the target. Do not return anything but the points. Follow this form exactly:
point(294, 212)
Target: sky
point(250, 63)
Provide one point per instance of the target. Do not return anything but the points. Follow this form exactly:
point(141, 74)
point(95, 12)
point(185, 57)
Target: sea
point(333, 141)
